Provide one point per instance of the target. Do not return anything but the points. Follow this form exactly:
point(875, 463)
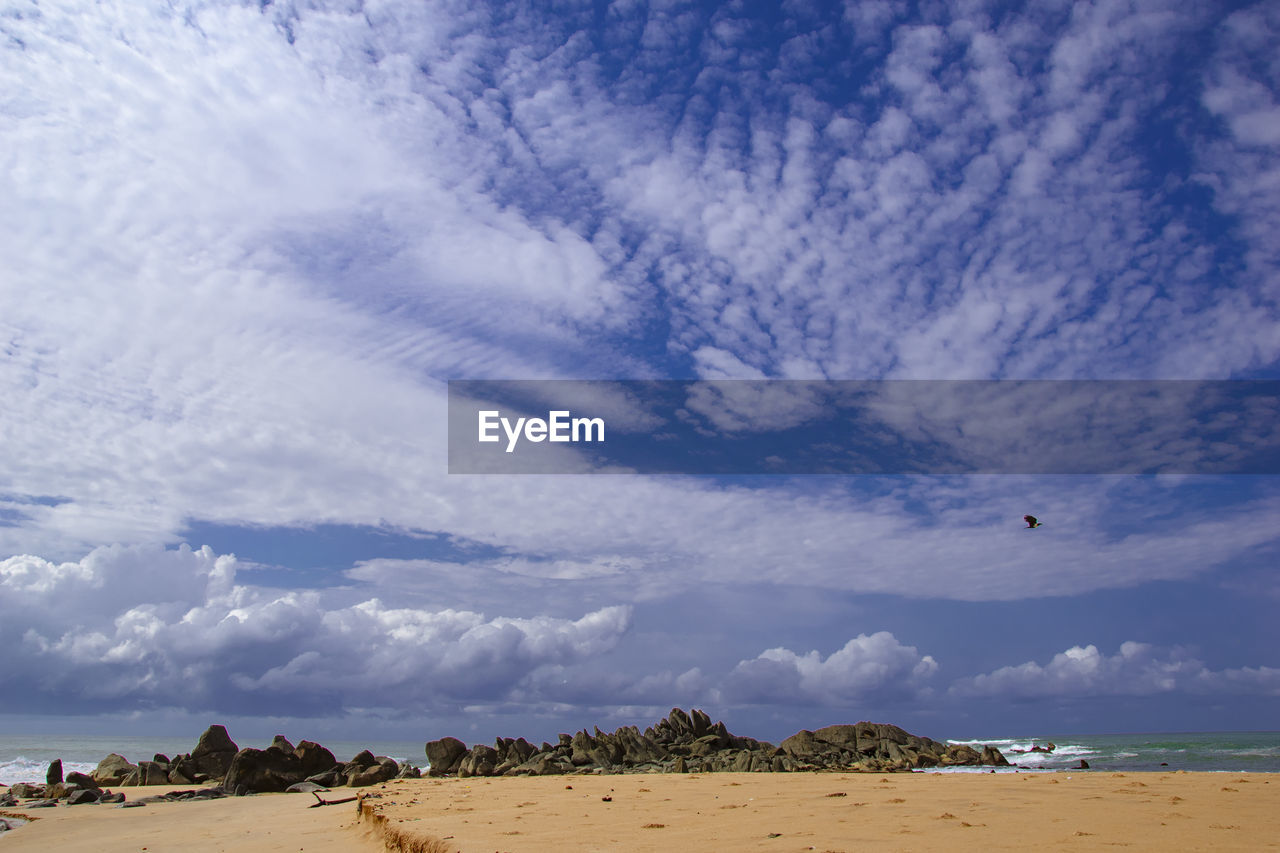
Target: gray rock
point(27, 791)
point(53, 775)
point(304, 787)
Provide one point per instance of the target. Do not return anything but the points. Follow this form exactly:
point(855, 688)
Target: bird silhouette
point(1031, 521)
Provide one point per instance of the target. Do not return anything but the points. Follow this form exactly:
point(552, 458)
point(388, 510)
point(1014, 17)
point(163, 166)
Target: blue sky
point(247, 245)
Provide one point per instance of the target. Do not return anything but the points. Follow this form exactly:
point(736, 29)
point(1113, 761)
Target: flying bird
point(1031, 521)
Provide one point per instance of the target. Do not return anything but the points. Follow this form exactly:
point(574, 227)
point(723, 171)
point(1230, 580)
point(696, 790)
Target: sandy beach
point(721, 811)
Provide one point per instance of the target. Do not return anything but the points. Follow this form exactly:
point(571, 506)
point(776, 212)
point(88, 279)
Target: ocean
point(24, 758)
point(1225, 752)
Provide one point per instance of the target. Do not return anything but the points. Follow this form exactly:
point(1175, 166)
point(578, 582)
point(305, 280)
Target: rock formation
point(690, 742)
point(217, 761)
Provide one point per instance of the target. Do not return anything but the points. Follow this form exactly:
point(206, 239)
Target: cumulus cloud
point(868, 668)
point(143, 627)
point(1136, 669)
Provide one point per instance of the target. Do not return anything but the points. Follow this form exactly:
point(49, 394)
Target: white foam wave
point(23, 769)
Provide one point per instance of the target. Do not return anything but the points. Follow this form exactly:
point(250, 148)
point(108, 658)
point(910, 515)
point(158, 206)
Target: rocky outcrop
point(217, 761)
point(283, 766)
point(690, 742)
point(877, 747)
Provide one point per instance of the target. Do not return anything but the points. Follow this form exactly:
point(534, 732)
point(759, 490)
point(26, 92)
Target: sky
point(247, 246)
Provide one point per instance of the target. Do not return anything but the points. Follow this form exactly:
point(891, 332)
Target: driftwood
point(321, 802)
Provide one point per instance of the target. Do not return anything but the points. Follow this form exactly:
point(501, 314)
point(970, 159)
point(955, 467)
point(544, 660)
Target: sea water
point(1233, 752)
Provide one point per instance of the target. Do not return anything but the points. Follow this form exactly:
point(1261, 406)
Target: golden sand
point(722, 811)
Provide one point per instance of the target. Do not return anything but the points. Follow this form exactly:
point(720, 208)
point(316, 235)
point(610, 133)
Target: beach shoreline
point(824, 811)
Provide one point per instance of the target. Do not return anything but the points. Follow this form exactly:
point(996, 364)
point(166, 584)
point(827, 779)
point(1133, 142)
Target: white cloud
point(868, 668)
point(1136, 669)
point(171, 628)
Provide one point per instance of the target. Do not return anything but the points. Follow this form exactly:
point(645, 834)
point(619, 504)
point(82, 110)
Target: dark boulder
point(444, 755)
point(212, 756)
point(53, 775)
point(82, 796)
point(314, 757)
point(363, 758)
point(262, 770)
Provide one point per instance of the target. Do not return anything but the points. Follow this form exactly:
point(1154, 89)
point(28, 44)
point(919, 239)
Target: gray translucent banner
point(943, 427)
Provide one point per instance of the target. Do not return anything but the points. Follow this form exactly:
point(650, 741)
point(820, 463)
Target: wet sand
point(722, 811)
